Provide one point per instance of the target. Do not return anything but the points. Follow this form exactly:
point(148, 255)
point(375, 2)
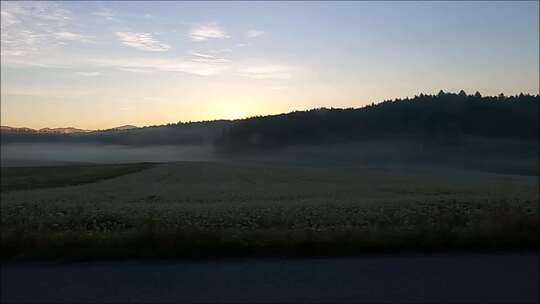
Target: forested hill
point(445, 117)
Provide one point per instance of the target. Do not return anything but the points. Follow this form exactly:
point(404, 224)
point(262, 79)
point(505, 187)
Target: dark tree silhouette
point(445, 116)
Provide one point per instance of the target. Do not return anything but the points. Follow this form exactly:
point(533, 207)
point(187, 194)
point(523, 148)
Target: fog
point(478, 154)
point(50, 154)
point(509, 156)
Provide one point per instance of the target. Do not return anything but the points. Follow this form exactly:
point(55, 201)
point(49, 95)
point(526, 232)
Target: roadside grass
point(499, 228)
point(26, 178)
point(266, 243)
point(210, 210)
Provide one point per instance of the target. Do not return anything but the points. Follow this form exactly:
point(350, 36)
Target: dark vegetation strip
point(501, 232)
point(26, 178)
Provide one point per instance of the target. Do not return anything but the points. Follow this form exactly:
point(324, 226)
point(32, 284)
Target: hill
point(170, 134)
point(443, 118)
point(125, 127)
point(68, 130)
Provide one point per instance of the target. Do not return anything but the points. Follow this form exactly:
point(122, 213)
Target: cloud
point(144, 65)
point(37, 10)
point(89, 74)
point(142, 41)
point(106, 13)
point(135, 70)
point(69, 36)
point(225, 50)
point(203, 32)
point(33, 34)
point(267, 71)
point(19, 42)
point(254, 33)
point(8, 19)
point(32, 28)
point(203, 57)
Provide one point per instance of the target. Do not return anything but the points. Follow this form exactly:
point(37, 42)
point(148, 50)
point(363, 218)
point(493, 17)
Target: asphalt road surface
point(409, 278)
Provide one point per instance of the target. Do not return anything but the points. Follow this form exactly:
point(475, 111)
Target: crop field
point(211, 209)
point(43, 177)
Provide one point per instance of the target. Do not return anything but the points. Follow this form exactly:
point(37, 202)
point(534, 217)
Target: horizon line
point(268, 115)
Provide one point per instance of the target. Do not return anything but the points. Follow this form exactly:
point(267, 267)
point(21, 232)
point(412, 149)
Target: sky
point(97, 65)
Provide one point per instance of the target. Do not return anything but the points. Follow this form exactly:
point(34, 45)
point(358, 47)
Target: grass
point(217, 210)
point(26, 178)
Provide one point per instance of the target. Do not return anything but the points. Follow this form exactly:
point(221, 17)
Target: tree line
point(444, 117)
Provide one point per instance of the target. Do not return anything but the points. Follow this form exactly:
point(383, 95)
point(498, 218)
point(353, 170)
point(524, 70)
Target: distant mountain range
point(68, 130)
point(169, 134)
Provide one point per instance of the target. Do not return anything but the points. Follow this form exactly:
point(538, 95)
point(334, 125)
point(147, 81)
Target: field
point(212, 209)
point(43, 177)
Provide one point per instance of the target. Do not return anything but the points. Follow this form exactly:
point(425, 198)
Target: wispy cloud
point(201, 55)
point(31, 28)
point(142, 41)
point(203, 32)
point(135, 70)
point(254, 33)
point(32, 35)
point(220, 51)
point(267, 71)
point(41, 10)
point(69, 36)
point(145, 65)
point(89, 74)
point(19, 42)
point(106, 13)
point(204, 57)
point(8, 18)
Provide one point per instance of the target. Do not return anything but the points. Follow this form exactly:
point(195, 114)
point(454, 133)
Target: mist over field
point(51, 154)
point(448, 130)
point(504, 156)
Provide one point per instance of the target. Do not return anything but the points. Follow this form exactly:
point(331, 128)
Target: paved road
point(438, 278)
